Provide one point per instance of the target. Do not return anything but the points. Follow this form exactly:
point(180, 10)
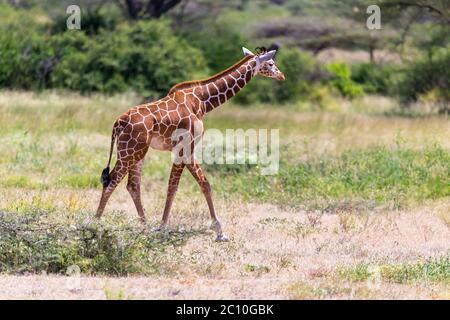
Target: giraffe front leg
point(175, 174)
point(198, 175)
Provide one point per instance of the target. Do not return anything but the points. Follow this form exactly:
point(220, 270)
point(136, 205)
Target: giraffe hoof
point(222, 238)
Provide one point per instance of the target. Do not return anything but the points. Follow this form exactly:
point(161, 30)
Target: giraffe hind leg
point(134, 187)
point(117, 174)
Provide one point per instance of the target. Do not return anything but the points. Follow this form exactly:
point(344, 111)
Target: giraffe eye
point(270, 64)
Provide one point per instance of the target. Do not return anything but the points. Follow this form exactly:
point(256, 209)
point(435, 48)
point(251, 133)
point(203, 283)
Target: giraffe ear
point(247, 52)
point(267, 56)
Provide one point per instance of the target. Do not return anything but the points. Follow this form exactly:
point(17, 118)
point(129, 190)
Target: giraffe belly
point(160, 143)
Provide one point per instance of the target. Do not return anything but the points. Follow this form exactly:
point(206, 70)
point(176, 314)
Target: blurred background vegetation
point(146, 46)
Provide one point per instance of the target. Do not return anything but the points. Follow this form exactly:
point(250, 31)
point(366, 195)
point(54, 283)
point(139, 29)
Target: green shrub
point(23, 48)
point(35, 241)
point(221, 53)
point(342, 81)
point(373, 78)
point(425, 75)
point(145, 57)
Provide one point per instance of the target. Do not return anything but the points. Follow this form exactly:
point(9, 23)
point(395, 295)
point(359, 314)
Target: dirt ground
point(274, 253)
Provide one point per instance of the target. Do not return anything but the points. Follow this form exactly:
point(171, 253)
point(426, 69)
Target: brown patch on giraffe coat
point(222, 98)
point(222, 85)
point(200, 94)
point(235, 74)
point(136, 117)
point(212, 89)
point(139, 127)
point(208, 106)
point(230, 81)
point(241, 83)
point(144, 111)
point(178, 97)
point(214, 101)
point(229, 94)
point(248, 76)
point(124, 136)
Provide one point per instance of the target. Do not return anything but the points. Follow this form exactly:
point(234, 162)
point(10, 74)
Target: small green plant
point(116, 294)
point(256, 268)
point(300, 291)
point(357, 273)
point(434, 270)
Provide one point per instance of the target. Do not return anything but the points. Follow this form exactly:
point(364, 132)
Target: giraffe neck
point(222, 88)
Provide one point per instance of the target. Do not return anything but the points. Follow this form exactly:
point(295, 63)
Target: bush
point(24, 49)
point(221, 53)
point(145, 57)
point(34, 241)
point(342, 81)
point(426, 75)
point(373, 78)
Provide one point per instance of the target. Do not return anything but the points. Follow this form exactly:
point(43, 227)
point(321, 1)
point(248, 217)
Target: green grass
point(357, 273)
point(432, 270)
point(80, 181)
point(380, 174)
point(48, 140)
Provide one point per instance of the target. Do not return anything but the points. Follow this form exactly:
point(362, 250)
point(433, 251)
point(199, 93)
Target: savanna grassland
point(360, 207)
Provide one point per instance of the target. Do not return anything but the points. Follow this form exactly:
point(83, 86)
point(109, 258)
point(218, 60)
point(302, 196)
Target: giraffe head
point(265, 64)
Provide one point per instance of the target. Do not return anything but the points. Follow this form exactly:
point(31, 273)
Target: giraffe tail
point(106, 177)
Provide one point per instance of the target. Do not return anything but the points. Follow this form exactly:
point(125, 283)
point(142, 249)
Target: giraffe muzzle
point(281, 77)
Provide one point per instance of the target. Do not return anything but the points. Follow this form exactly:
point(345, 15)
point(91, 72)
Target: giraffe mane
point(193, 83)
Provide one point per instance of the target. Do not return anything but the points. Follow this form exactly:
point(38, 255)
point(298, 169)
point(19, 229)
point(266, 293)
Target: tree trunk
point(134, 7)
point(155, 8)
point(372, 53)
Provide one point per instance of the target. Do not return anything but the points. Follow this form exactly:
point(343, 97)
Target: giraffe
point(153, 125)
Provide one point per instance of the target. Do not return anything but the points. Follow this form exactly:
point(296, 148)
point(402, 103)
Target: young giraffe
point(153, 124)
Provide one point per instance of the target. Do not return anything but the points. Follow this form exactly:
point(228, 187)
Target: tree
point(440, 8)
point(320, 33)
